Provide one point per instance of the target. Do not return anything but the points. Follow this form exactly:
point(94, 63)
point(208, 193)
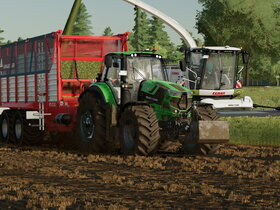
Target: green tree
point(130, 42)
point(276, 72)
point(1, 38)
point(183, 46)
point(160, 38)
point(140, 38)
point(247, 23)
point(108, 32)
point(82, 25)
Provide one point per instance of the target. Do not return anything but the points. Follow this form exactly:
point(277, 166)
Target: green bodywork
point(161, 94)
point(168, 99)
point(107, 93)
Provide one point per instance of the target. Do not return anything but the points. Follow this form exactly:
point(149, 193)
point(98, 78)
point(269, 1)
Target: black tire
point(204, 112)
point(23, 132)
point(91, 124)
point(139, 130)
point(5, 127)
point(201, 149)
point(19, 129)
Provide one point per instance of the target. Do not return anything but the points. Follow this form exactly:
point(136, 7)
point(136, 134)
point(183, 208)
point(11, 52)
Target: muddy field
point(237, 177)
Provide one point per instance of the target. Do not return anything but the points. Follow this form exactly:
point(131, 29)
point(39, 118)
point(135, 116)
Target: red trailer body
point(44, 76)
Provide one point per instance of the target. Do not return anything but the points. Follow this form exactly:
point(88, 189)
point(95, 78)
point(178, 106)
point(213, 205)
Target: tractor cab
point(136, 67)
point(214, 68)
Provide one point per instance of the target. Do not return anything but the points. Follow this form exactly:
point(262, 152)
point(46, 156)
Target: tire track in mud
point(238, 176)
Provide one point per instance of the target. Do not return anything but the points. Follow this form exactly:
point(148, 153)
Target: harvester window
point(211, 73)
point(219, 71)
point(228, 61)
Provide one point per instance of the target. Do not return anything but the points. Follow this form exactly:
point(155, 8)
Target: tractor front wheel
point(139, 130)
point(91, 124)
point(203, 112)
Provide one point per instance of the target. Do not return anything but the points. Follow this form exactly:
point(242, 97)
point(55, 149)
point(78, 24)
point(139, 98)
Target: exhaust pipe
point(125, 89)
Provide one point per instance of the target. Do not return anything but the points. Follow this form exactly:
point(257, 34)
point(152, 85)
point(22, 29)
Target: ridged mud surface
point(237, 177)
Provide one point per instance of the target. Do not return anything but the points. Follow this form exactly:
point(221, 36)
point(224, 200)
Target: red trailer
point(41, 79)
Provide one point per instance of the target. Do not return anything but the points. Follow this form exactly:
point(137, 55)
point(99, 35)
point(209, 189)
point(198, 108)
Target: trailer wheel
point(91, 124)
point(4, 125)
point(139, 130)
point(203, 112)
point(23, 133)
point(18, 129)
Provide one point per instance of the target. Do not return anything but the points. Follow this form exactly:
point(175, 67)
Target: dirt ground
point(237, 177)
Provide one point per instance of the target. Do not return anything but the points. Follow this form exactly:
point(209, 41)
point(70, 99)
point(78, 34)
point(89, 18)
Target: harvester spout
point(68, 29)
point(168, 20)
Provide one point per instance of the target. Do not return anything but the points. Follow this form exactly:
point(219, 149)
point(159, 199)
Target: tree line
point(251, 24)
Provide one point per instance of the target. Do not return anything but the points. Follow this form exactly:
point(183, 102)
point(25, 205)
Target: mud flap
point(208, 132)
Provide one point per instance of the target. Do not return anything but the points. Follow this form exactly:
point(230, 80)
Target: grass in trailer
point(86, 69)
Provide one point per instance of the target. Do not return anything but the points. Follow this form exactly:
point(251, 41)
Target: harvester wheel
point(23, 132)
point(139, 130)
point(204, 112)
point(91, 124)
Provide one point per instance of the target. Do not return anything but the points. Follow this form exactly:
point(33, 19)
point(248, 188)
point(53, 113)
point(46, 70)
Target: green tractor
point(135, 109)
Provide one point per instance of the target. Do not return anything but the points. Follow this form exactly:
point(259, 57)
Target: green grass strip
point(254, 130)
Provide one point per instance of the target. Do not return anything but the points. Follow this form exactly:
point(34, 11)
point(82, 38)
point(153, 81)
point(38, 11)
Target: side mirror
point(183, 65)
point(245, 57)
point(108, 61)
point(116, 65)
point(188, 57)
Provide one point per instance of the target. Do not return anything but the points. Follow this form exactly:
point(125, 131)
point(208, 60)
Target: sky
point(30, 18)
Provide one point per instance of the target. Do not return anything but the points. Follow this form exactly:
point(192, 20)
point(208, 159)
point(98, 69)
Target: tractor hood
point(169, 98)
point(157, 87)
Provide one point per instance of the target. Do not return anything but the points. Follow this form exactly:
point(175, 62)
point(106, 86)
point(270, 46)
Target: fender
point(134, 103)
point(102, 91)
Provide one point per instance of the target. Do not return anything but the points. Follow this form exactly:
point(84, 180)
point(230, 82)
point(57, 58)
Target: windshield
point(144, 68)
point(195, 62)
point(219, 71)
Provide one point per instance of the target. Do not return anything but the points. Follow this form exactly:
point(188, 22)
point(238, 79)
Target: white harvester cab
point(214, 75)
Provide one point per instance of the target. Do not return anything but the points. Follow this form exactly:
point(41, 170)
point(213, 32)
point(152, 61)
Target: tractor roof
point(217, 48)
point(137, 53)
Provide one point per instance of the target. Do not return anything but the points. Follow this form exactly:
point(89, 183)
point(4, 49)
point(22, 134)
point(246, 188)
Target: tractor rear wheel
point(91, 124)
point(204, 112)
point(139, 130)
